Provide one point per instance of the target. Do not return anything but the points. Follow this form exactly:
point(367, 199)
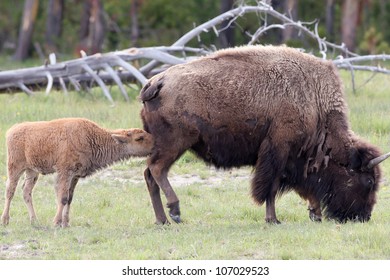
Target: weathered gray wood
point(116, 67)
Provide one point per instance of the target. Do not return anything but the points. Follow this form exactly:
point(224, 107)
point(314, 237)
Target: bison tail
point(150, 91)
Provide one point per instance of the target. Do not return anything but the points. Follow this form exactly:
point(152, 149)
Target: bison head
point(351, 194)
point(354, 187)
point(344, 193)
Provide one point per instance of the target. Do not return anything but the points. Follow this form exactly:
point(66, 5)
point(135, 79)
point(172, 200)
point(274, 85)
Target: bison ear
point(355, 159)
point(120, 139)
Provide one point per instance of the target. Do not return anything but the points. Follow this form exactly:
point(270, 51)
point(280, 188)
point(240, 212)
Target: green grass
point(112, 217)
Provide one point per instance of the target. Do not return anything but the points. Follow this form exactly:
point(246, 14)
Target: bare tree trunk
point(54, 24)
point(84, 22)
point(383, 15)
point(134, 22)
point(226, 37)
point(26, 29)
point(92, 27)
point(350, 16)
point(291, 10)
point(330, 19)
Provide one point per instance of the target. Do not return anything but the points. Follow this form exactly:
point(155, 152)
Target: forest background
point(34, 28)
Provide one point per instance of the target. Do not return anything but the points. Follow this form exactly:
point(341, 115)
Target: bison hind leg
point(154, 192)
point(156, 177)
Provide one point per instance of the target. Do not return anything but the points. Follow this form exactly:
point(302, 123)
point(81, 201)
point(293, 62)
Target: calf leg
point(65, 211)
point(154, 192)
point(11, 184)
point(62, 192)
point(29, 183)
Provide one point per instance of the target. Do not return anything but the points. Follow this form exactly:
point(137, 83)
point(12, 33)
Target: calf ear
point(120, 139)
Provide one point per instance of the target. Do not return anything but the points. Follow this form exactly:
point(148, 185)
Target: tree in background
point(55, 13)
point(26, 29)
point(135, 32)
point(88, 25)
point(226, 37)
point(329, 19)
point(351, 16)
point(92, 27)
point(291, 9)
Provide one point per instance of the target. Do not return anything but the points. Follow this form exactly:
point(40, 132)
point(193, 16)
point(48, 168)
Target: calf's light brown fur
point(73, 148)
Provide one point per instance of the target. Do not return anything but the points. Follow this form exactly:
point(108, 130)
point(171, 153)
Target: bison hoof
point(162, 222)
point(272, 221)
point(315, 218)
point(175, 218)
point(174, 211)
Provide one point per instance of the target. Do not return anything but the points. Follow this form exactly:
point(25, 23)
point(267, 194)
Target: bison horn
point(377, 160)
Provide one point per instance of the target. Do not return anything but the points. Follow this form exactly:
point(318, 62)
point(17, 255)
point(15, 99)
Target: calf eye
point(139, 138)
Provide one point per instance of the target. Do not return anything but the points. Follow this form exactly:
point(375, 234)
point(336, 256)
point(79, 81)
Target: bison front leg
point(266, 182)
point(314, 210)
point(270, 212)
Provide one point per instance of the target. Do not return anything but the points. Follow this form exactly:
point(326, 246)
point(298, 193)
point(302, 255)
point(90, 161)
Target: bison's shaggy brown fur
point(275, 108)
point(72, 147)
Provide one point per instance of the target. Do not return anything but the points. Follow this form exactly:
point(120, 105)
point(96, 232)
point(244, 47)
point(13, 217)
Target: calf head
point(135, 142)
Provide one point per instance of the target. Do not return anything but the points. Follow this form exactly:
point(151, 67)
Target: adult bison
point(274, 108)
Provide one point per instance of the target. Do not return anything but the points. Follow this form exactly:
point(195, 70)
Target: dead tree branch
point(117, 67)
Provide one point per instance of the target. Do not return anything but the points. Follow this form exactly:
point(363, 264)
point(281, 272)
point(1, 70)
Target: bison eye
point(369, 182)
point(138, 139)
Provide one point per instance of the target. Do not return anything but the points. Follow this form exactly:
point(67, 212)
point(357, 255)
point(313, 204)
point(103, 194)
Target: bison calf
point(74, 148)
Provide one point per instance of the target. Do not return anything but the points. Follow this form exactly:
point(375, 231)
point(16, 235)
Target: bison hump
point(151, 91)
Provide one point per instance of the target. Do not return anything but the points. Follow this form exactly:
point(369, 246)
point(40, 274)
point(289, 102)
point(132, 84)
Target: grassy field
point(112, 217)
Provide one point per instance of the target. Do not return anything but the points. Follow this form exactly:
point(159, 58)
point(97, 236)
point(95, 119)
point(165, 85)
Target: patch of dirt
point(22, 250)
point(210, 177)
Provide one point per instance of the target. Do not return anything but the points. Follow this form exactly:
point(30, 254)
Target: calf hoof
point(4, 220)
point(34, 222)
point(272, 221)
point(57, 223)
